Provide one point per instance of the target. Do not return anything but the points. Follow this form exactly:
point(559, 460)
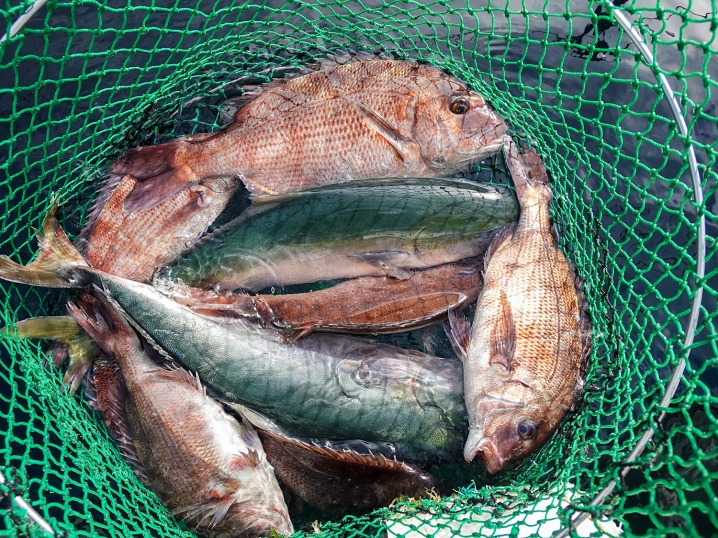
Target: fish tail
point(58, 265)
point(58, 328)
point(79, 347)
point(161, 172)
point(100, 320)
point(527, 171)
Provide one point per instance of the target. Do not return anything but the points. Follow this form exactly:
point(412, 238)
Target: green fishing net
point(83, 81)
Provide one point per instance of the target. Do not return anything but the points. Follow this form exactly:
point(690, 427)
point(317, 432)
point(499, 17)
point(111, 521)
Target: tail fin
point(101, 320)
point(81, 349)
point(161, 172)
point(55, 267)
point(526, 169)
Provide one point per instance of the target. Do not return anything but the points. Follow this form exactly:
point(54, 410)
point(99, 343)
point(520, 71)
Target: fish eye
point(459, 104)
point(526, 429)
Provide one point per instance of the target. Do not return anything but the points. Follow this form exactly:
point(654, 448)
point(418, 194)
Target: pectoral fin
point(503, 337)
point(458, 330)
point(405, 149)
point(209, 513)
point(385, 260)
point(292, 335)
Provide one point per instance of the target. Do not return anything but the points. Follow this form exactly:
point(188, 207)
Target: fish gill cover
point(82, 82)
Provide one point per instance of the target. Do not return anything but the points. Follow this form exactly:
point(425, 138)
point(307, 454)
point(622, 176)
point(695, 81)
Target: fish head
point(512, 423)
point(455, 125)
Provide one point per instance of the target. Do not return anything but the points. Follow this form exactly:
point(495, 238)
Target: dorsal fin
point(586, 340)
point(251, 92)
point(504, 234)
point(109, 187)
point(110, 397)
point(345, 455)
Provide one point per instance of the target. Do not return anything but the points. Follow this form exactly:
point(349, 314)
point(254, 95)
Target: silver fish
point(325, 386)
point(363, 228)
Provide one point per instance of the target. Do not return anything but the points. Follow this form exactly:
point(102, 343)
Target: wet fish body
point(332, 477)
point(366, 305)
point(529, 343)
point(345, 481)
point(134, 244)
point(336, 388)
point(204, 465)
point(372, 228)
point(359, 120)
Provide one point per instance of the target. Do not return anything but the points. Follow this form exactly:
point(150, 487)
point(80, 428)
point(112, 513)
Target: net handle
point(672, 386)
point(23, 19)
point(29, 512)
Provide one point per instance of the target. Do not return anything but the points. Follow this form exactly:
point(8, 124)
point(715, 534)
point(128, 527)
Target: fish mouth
point(478, 445)
point(491, 460)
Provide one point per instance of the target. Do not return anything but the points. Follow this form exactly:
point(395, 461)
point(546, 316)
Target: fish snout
point(483, 447)
point(483, 121)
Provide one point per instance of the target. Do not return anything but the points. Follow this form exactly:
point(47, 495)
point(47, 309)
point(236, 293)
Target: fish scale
point(342, 123)
point(134, 244)
point(203, 464)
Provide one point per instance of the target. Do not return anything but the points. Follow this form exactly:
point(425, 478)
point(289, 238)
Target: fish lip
point(489, 457)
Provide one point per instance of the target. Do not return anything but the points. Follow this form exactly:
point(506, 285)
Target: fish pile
point(233, 403)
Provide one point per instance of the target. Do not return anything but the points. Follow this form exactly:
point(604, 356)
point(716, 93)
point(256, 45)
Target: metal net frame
point(620, 100)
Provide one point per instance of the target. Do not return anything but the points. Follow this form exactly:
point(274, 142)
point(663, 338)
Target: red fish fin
point(527, 170)
point(503, 337)
point(182, 376)
point(586, 340)
point(406, 150)
point(160, 172)
point(342, 455)
point(349, 57)
point(147, 161)
point(251, 92)
point(292, 335)
point(211, 512)
point(108, 392)
point(98, 319)
point(503, 235)
point(386, 261)
point(458, 330)
point(155, 190)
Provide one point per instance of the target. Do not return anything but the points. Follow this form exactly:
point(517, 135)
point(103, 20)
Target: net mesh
point(84, 81)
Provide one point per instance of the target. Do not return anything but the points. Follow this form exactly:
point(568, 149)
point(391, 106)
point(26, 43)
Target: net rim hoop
point(677, 374)
point(679, 369)
point(23, 19)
